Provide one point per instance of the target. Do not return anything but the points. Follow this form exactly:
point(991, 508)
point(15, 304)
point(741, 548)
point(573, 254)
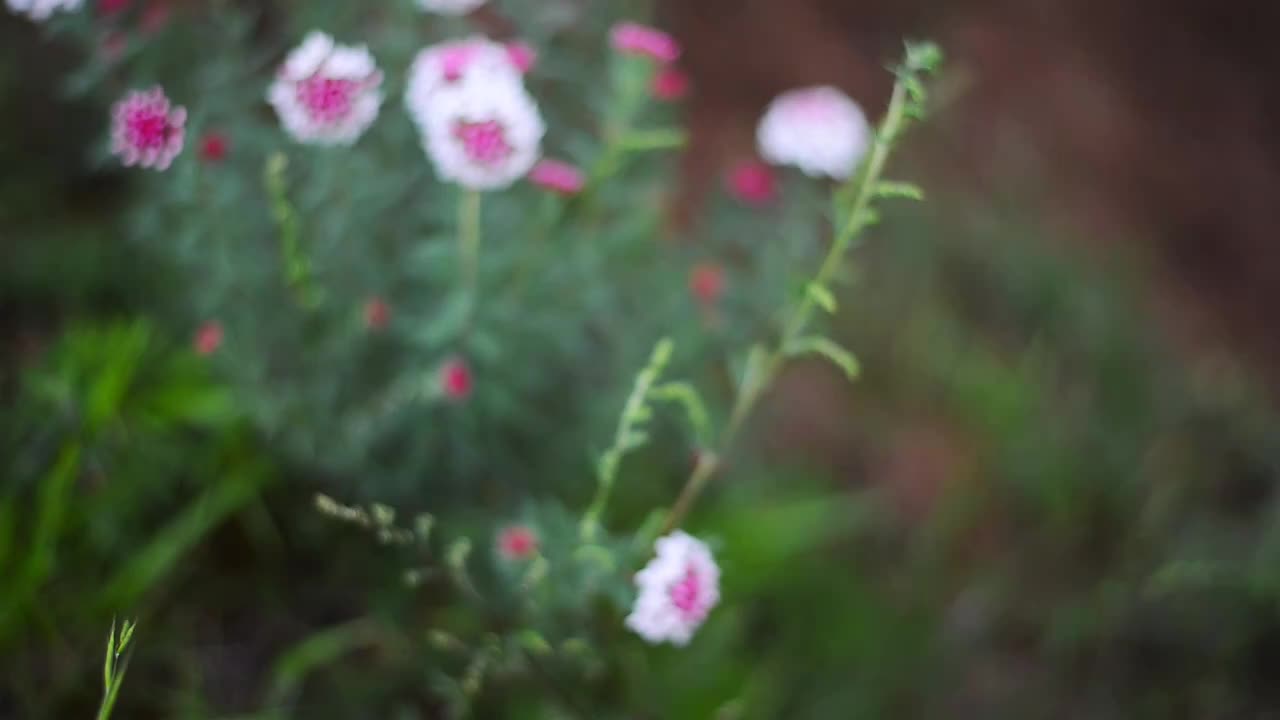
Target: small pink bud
point(522, 55)
point(670, 84)
point(455, 379)
point(636, 39)
point(214, 147)
point(557, 176)
point(517, 542)
point(753, 183)
point(111, 7)
point(377, 313)
point(155, 17)
point(208, 338)
point(706, 282)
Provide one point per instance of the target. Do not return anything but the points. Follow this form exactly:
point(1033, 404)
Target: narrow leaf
point(828, 349)
point(821, 297)
point(891, 189)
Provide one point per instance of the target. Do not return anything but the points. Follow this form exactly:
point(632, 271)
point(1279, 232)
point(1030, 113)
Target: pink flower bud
point(208, 338)
point(377, 313)
point(214, 147)
point(670, 84)
point(706, 282)
point(455, 379)
point(557, 176)
point(636, 39)
point(517, 542)
point(753, 183)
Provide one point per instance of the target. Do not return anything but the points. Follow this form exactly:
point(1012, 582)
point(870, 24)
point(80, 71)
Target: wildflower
point(450, 7)
point(448, 64)
point(455, 379)
point(483, 134)
point(377, 313)
point(817, 129)
point(556, 176)
point(517, 542)
point(670, 84)
point(214, 147)
point(706, 282)
point(325, 93)
point(636, 39)
point(208, 338)
point(753, 183)
point(40, 10)
point(146, 130)
point(678, 588)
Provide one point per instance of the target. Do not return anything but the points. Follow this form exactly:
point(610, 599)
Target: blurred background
point(1049, 495)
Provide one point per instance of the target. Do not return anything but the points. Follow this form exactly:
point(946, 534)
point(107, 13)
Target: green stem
point(795, 325)
point(469, 246)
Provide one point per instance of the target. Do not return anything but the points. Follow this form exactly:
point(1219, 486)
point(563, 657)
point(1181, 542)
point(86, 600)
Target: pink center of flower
point(147, 127)
point(455, 61)
point(327, 100)
point(485, 143)
point(685, 594)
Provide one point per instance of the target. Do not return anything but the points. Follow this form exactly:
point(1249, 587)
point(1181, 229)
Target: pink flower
point(556, 176)
point(635, 39)
point(377, 313)
point(146, 130)
point(706, 282)
point(817, 129)
point(455, 379)
point(208, 338)
point(522, 56)
point(517, 542)
point(677, 590)
point(670, 84)
point(214, 147)
point(753, 182)
point(326, 93)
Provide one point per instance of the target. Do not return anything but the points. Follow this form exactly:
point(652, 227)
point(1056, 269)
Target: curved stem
point(795, 325)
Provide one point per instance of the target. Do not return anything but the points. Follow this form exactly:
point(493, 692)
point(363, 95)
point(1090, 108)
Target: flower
point(377, 313)
point(214, 147)
point(447, 64)
point(556, 176)
point(146, 130)
point(484, 133)
point(455, 379)
point(678, 588)
point(817, 129)
point(325, 93)
point(517, 542)
point(670, 84)
point(706, 282)
point(40, 10)
point(208, 338)
point(636, 39)
point(450, 7)
point(753, 183)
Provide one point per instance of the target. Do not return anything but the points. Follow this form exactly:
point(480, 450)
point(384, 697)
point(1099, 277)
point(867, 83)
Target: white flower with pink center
point(448, 64)
point(325, 93)
point(146, 130)
point(483, 133)
point(817, 129)
point(450, 7)
point(41, 10)
point(678, 588)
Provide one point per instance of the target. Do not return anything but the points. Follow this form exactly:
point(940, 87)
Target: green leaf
point(821, 297)
point(687, 396)
point(754, 370)
point(828, 349)
point(891, 189)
